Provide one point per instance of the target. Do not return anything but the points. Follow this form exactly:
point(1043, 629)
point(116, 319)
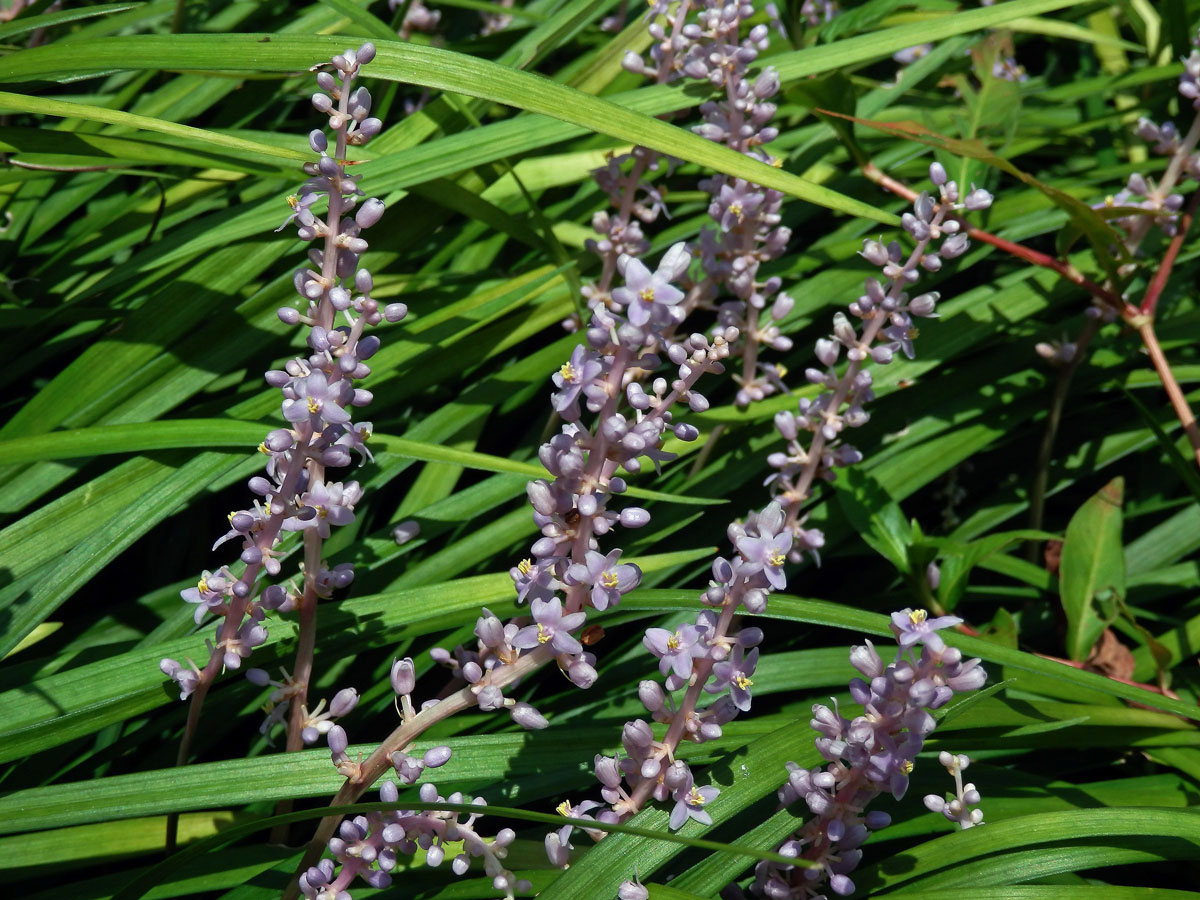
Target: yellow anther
point(917, 616)
point(543, 635)
point(736, 210)
point(781, 370)
point(313, 407)
point(609, 580)
point(906, 767)
point(742, 681)
point(777, 163)
point(525, 566)
point(322, 512)
point(647, 294)
point(262, 448)
point(673, 641)
point(202, 585)
point(294, 201)
point(564, 808)
point(567, 371)
point(777, 558)
point(696, 798)
point(914, 333)
point(364, 433)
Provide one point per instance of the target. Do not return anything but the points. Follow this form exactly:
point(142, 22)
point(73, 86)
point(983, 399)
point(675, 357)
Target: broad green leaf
point(1092, 571)
point(877, 517)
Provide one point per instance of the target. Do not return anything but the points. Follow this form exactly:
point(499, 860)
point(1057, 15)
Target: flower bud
point(404, 676)
point(343, 702)
point(369, 213)
point(528, 717)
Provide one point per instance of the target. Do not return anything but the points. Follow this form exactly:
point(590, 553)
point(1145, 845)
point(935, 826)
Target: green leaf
point(432, 68)
point(198, 433)
point(957, 560)
point(30, 23)
point(48, 106)
point(1092, 571)
point(876, 517)
point(960, 854)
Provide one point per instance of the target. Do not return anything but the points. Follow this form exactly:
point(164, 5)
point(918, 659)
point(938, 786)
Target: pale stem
point(373, 767)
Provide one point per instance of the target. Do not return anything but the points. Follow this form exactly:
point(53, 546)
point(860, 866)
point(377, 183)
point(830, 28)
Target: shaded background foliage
point(142, 277)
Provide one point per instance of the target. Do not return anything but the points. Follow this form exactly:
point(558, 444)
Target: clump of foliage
point(617, 286)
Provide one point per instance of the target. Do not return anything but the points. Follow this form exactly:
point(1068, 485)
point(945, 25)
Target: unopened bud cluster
point(958, 808)
point(371, 846)
point(1158, 202)
point(869, 754)
point(887, 312)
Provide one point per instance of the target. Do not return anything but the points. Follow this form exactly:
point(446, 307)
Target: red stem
point(1154, 291)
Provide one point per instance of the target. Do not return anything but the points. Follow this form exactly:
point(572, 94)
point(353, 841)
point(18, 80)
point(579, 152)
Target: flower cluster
point(318, 396)
point(867, 755)
point(957, 809)
point(370, 846)
point(747, 216)
point(1159, 205)
point(566, 572)
point(704, 656)
point(887, 313)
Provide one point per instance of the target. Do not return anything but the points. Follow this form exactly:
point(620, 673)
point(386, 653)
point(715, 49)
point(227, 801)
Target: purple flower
point(608, 580)
point(551, 627)
point(904, 335)
point(675, 649)
point(766, 554)
point(644, 290)
point(581, 369)
point(249, 635)
point(187, 677)
point(533, 581)
point(736, 673)
point(316, 398)
point(209, 592)
point(912, 626)
point(334, 504)
point(690, 803)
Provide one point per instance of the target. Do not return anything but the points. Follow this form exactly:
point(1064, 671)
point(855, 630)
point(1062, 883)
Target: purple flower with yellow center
point(736, 673)
point(533, 581)
point(766, 554)
point(209, 592)
point(735, 202)
point(334, 504)
point(550, 627)
point(643, 289)
point(676, 649)
point(581, 369)
point(300, 204)
point(913, 626)
point(608, 579)
point(690, 803)
point(316, 398)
